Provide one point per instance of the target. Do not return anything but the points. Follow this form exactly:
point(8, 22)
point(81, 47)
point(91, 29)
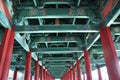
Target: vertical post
point(87, 65)
point(78, 69)
point(8, 56)
point(99, 72)
point(71, 76)
point(4, 45)
point(31, 77)
point(15, 75)
point(44, 75)
point(0, 50)
point(83, 76)
point(36, 70)
point(41, 72)
point(28, 66)
point(110, 55)
point(73, 72)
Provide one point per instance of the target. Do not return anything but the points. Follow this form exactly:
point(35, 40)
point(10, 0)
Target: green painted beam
point(58, 58)
point(91, 42)
point(78, 2)
point(57, 29)
point(82, 12)
point(59, 50)
point(56, 2)
point(59, 63)
point(22, 42)
point(35, 3)
point(58, 39)
point(57, 66)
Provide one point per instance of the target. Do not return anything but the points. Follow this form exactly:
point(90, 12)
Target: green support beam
point(57, 29)
point(58, 39)
point(59, 50)
point(32, 13)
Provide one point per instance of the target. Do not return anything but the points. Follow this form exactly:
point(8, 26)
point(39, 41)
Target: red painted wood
point(8, 57)
point(4, 48)
point(108, 7)
point(83, 76)
point(87, 65)
point(41, 73)
point(36, 70)
point(78, 69)
point(73, 72)
point(99, 73)
point(28, 66)
point(31, 77)
point(110, 55)
point(15, 75)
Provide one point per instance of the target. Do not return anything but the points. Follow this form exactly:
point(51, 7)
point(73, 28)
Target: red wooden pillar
point(44, 74)
point(83, 76)
point(71, 75)
point(8, 56)
point(110, 55)
point(28, 66)
point(41, 72)
point(99, 73)
point(4, 47)
point(15, 75)
point(6, 37)
point(0, 51)
point(87, 65)
point(31, 77)
point(36, 70)
point(78, 69)
point(73, 69)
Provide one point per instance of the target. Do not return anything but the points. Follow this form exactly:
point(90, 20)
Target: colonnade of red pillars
point(39, 74)
point(110, 56)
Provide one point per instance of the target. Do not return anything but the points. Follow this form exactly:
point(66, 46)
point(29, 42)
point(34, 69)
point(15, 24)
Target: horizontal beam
point(57, 29)
point(47, 64)
point(22, 42)
point(82, 12)
point(50, 17)
point(54, 66)
point(58, 39)
point(59, 68)
point(57, 50)
point(57, 60)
